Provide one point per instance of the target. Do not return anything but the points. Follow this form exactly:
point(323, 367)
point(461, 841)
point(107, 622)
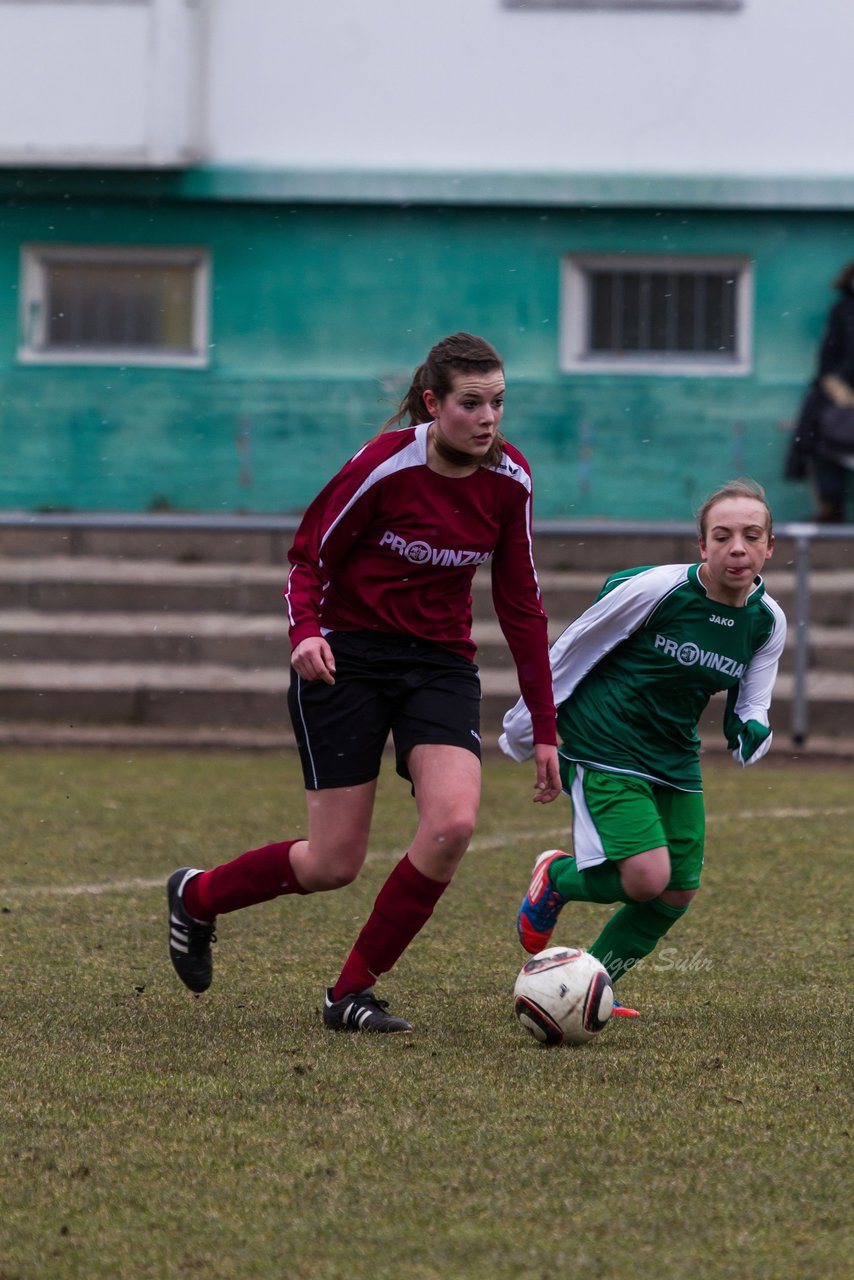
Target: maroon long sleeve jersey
point(391, 546)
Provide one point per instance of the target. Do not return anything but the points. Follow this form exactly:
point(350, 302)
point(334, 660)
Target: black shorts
point(417, 691)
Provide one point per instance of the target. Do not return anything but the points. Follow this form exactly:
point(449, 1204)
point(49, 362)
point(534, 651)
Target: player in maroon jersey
point(379, 604)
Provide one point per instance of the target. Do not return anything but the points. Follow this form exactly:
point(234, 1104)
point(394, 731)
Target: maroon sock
point(255, 876)
point(404, 905)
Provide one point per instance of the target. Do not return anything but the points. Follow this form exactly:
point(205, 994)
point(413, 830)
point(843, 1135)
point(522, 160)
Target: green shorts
point(616, 815)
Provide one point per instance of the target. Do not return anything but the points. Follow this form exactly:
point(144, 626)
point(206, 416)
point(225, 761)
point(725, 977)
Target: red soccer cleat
point(541, 905)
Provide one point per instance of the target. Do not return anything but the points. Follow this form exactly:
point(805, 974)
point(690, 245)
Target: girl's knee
point(645, 876)
point(323, 869)
point(452, 835)
point(644, 890)
point(333, 877)
point(439, 847)
point(645, 882)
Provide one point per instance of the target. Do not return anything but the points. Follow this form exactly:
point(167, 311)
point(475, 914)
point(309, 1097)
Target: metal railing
point(801, 534)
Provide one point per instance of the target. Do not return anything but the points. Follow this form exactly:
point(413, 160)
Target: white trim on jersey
point(412, 455)
point(586, 641)
point(512, 470)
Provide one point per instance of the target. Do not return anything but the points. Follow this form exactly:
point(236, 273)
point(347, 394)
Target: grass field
point(148, 1134)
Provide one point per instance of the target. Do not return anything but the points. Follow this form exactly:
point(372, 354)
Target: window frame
point(36, 258)
point(575, 312)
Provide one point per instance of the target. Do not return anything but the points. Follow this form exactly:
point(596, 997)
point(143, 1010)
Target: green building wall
point(321, 310)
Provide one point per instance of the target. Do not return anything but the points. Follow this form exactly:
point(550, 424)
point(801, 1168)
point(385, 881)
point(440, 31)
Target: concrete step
point(160, 694)
point(99, 585)
point(237, 540)
point(86, 584)
point(143, 693)
point(136, 738)
point(265, 540)
point(199, 647)
point(229, 639)
point(259, 640)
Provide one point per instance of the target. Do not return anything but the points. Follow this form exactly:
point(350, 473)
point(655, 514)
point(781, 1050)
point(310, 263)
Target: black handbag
point(836, 428)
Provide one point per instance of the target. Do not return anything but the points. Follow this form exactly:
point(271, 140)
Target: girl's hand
point(548, 784)
point(313, 659)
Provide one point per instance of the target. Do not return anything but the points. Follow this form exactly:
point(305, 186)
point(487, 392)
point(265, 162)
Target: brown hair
point(845, 279)
point(744, 487)
point(459, 353)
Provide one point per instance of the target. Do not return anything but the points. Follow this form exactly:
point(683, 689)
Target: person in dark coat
point(833, 384)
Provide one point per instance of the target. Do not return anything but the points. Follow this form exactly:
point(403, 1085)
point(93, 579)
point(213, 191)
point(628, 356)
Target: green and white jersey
point(634, 672)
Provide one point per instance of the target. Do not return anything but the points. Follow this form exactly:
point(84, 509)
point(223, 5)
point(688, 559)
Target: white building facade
point(640, 201)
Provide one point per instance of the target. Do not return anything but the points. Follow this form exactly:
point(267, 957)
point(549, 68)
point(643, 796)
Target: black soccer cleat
point(360, 1011)
point(189, 940)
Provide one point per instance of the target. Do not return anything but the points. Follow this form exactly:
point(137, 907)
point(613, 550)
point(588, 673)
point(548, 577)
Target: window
point(656, 314)
point(86, 304)
point(623, 4)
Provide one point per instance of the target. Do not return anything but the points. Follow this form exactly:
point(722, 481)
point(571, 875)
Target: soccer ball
point(563, 996)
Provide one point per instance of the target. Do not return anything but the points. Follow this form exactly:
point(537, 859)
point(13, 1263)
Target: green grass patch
point(148, 1134)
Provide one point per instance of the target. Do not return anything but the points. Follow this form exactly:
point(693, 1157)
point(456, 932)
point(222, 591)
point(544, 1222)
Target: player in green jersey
point(632, 676)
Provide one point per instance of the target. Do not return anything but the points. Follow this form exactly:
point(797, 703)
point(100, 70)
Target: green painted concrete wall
point(319, 312)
